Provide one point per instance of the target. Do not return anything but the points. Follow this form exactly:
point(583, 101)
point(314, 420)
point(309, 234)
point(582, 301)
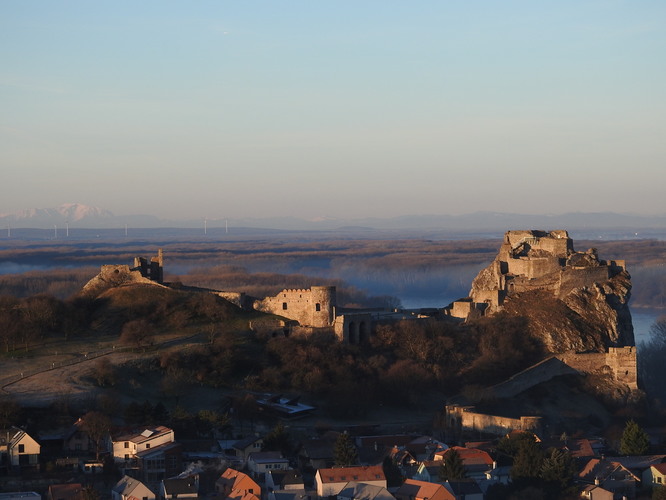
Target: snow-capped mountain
point(67, 213)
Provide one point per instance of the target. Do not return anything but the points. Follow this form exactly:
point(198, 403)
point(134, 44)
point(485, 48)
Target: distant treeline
point(259, 268)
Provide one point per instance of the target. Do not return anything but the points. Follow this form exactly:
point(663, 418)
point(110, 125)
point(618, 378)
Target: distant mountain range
point(76, 215)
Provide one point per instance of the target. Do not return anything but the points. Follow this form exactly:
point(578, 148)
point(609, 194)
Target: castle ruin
point(144, 271)
point(533, 260)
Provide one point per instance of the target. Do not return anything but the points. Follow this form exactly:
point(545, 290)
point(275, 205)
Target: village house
point(655, 475)
point(428, 471)
point(241, 448)
point(413, 489)
point(150, 455)
point(129, 488)
point(76, 440)
point(179, 488)
point(126, 446)
point(284, 480)
point(595, 492)
point(355, 490)
point(610, 475)
point(236, 485)
point(18, 450)
point(329, 482)
point(476, 462)
point(464, 490)
point(318, 452)
point(261, 462)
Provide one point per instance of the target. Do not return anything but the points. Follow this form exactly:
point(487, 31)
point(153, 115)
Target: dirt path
point(40, 380)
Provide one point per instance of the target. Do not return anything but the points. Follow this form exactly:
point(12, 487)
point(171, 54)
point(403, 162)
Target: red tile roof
point(346, 474)
point(469, 456)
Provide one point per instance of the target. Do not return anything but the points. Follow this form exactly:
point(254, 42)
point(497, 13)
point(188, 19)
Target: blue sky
point(333, 108)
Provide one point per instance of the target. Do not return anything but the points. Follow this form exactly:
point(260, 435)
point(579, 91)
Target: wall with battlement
point(310, 307)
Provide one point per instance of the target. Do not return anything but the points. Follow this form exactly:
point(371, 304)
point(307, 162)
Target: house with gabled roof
point(595, 492)
point(475, 461)
point(318, 452)
point(127, 446)
point(355, 490)
point(610, 475)
point(284, 480)
point(236, 485)
point(329, 482)
point(18, 450)
point(241, 448)
point(413, 489)
point(76, 440)
point(129, 488)
point(467, 489)
point(179, 487)
point(428, 471)
point(261, 462)
point(150, 454)
point(655, 475)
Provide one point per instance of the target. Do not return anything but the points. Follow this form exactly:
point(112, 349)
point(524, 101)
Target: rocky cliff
point(571, 300)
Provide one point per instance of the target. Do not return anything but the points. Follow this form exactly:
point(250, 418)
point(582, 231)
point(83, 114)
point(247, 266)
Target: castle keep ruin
point(144, 271)
point(534, 260)
point(311, 307)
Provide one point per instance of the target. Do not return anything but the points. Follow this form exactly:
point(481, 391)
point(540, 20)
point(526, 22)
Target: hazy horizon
point(344, 110)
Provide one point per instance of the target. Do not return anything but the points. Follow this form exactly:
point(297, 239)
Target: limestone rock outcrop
point(572, 300)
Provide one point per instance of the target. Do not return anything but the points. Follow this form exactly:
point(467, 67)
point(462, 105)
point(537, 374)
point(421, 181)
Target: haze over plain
point(342, 109)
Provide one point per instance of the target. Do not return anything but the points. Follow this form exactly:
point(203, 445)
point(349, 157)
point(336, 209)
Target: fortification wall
point(555, 242)
point(580, 277)
point(465, 418)
point(354, 328)
point(237, 298)
point(491, 297)
point(620, 362)
point(533, 267)
point(310, 307)
point(534, 375)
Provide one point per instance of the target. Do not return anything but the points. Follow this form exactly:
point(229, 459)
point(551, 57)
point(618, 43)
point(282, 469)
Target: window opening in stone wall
point(317, 307)
point(284, 306)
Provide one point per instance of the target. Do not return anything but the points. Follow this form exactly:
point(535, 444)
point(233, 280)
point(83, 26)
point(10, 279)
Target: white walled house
point(259, 463)
point(128, 446)
point(150, 455)
point(128, 487)
point(18, 449)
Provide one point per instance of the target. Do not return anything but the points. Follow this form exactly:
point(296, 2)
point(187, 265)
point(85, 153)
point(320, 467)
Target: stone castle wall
point(310, 307)
point(465, 419)
point(111, 275)
point(354, 328)
point(556, 242)
point(533, 267)
point(572, 278)
point(619, 362)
